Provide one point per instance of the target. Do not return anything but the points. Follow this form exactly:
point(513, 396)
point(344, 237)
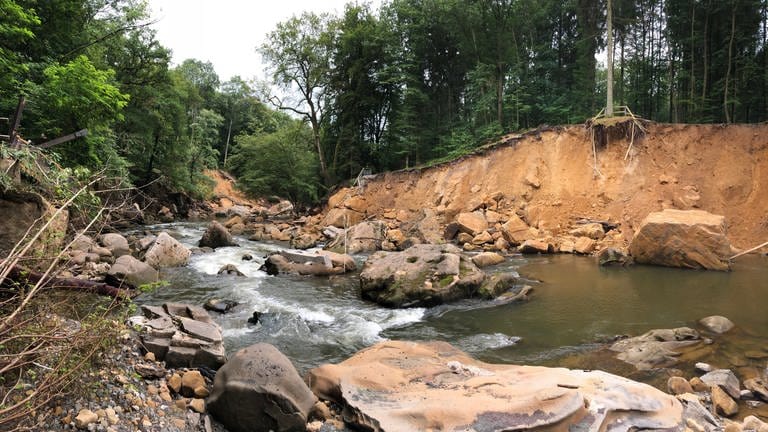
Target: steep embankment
point(549, 179)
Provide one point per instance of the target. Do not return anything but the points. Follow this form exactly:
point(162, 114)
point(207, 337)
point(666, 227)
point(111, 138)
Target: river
point(574, 309)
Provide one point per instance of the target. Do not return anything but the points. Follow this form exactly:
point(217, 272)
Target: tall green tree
point(299, 53)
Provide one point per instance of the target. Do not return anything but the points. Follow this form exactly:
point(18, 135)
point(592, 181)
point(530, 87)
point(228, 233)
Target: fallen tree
point(24, 277)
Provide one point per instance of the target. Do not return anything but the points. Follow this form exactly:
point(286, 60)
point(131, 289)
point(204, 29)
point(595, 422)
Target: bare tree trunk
point(609, 65)
point(730, 60)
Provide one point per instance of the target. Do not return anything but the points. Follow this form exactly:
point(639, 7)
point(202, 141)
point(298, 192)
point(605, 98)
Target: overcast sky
point(227, 32)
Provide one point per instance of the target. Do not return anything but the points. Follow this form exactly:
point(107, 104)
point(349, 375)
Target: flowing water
point(575, 307)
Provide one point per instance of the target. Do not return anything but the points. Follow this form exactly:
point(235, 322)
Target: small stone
point(58, 411)
point(112, 417)
point(121, 379)
point(179, 423)
point(197, 405)
point(145, 422)
point(174, 382)
point(678, 385)
point(165, 396)
point(722, 403)
point(698, 385)
point(190, 381)
point(733, 427)
point(84, 418)
point(755, 424)
point(757, 387)
point(320, 411)
point(703, 367)
point(314, 426)
point(201, 392)
point(149, 356)
point(181, 403)
point(152, 390)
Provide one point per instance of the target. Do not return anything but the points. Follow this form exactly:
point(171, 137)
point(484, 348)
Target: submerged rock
point(656, 348)
point(409, 386)
point(259, 390)
point(306, 263)
point(717, 324)
point(682, 238)
point(422, 275)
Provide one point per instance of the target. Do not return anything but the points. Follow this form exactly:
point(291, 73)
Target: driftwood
point(30, 277)
point(748, 251)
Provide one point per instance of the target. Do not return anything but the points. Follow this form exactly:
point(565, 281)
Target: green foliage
point(278, 163)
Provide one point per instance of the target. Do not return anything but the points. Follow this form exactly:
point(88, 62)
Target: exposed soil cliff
point(549, 178)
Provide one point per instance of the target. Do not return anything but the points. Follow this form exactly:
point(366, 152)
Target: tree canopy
point(408, 83)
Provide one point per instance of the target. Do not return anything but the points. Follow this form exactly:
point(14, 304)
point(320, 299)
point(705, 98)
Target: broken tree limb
point(24, 276)
point(748, 251)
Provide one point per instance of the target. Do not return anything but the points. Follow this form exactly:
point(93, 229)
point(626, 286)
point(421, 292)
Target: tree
point(299, 51)
point(78, 96)
point(279, 163)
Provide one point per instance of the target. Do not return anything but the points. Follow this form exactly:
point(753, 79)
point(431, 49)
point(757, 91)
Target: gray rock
point(612, 256)
point(230, 269)
point(166, 251)
point(363, 237)
point(216, 236)
point(723, 378)
point(422, 275)
point(201, 330)
point(116, 243)
point(259, 390)
point(656, 348)
point(129, 270)
point(703, 367)
point(717, 324)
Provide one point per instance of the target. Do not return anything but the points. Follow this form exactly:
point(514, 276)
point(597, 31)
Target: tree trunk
point(609, 65)
point(728, 69)
point(29, 277)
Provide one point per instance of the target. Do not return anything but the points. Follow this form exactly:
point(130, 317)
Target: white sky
point(227, 32)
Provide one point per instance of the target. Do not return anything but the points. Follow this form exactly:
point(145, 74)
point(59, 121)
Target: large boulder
point(656, 348)
point(128, 270)
point(306, 263)
point(259, 390)
point(472, 223)
point(516, 231)
point(166, 251)
point(363, 237)
point(682, 238)
point(216, 236)
point(116, 243)
point(422, 275)
point(409, 386)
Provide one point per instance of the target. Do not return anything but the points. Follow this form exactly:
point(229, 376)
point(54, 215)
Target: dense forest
point(412, 82)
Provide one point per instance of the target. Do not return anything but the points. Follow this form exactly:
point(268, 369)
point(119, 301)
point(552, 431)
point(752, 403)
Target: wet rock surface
point(422, 275)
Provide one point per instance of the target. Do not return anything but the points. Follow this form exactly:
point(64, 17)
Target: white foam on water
point(211, 263)
point(236, 331)
point(487, 341)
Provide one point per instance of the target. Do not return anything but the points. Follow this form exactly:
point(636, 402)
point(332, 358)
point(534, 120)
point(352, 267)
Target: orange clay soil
point(549, 177)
